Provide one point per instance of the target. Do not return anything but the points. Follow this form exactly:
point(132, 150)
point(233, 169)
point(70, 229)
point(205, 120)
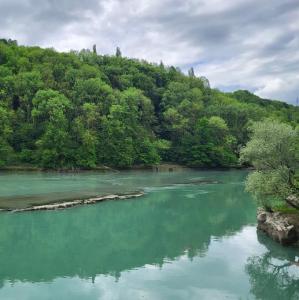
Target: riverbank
point(282, 227)
point(165, 166)
point(39, 169)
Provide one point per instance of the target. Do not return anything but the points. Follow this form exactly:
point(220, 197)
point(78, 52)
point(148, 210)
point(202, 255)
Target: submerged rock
point(205, 181)
point(280, 227)
point(198, 182)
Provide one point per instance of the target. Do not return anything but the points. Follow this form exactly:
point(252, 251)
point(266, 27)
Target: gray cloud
point(246, 43)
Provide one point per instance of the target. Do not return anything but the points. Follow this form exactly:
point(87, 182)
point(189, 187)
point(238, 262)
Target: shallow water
point(23, 189)
point(179, 241)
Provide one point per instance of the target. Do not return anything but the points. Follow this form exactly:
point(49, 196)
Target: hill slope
point(80, 109)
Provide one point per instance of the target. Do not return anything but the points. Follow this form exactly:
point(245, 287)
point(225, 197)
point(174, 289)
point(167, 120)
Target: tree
point(211, 144)
point(26, 85)
point(94, 49)
point(93, 90)
point(274, 152)
point(53, 146)
point(205, 82)
point(191, 72)
point(85, 132)
point(126, 136)
point(6, 150)
point(118, 52)
point(80, 109)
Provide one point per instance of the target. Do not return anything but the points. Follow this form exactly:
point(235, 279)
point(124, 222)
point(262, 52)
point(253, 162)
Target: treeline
point(82, 110)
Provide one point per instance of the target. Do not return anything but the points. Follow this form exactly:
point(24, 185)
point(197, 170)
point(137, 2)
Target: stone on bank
point(281, 227)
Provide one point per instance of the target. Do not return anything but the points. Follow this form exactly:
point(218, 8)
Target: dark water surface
point(179, 241)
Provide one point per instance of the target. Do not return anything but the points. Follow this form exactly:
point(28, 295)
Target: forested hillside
point(82, 110)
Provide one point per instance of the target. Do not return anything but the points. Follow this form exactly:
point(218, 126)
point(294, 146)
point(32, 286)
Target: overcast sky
point(236, 44)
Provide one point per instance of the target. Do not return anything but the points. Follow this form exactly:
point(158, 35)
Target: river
point(191, 236)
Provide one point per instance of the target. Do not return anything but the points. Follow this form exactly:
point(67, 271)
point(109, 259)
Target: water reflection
point(189, 242)
point(116, 236)
point(275, 274)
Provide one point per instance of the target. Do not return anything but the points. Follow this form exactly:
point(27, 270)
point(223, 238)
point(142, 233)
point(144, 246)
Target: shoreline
point(74, 203)
point(157, 168)
point(280, 227)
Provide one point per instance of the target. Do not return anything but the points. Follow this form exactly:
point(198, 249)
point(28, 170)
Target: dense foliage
point(81, 110)
point(274, 152)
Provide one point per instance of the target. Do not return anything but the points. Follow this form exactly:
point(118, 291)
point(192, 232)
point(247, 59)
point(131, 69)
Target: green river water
point(179, 241)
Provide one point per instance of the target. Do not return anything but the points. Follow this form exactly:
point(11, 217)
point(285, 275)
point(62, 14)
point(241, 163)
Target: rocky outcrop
point(73, 203)
point(280, 227)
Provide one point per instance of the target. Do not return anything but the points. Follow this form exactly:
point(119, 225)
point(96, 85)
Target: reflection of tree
point(270, 274)
point(115, 236)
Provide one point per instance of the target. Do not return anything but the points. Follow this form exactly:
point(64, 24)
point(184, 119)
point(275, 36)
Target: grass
point(284, 208)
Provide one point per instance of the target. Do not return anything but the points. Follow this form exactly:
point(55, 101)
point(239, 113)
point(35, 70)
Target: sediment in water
point(73, 203)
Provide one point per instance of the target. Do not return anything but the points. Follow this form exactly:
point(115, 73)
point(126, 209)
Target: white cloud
point(234, 43)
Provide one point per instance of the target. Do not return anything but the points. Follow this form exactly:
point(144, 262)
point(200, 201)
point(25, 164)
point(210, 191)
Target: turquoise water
point(179, 241)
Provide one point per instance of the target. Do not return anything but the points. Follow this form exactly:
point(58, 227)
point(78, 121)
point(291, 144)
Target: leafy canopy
point(82, 110)
point(274, 152)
